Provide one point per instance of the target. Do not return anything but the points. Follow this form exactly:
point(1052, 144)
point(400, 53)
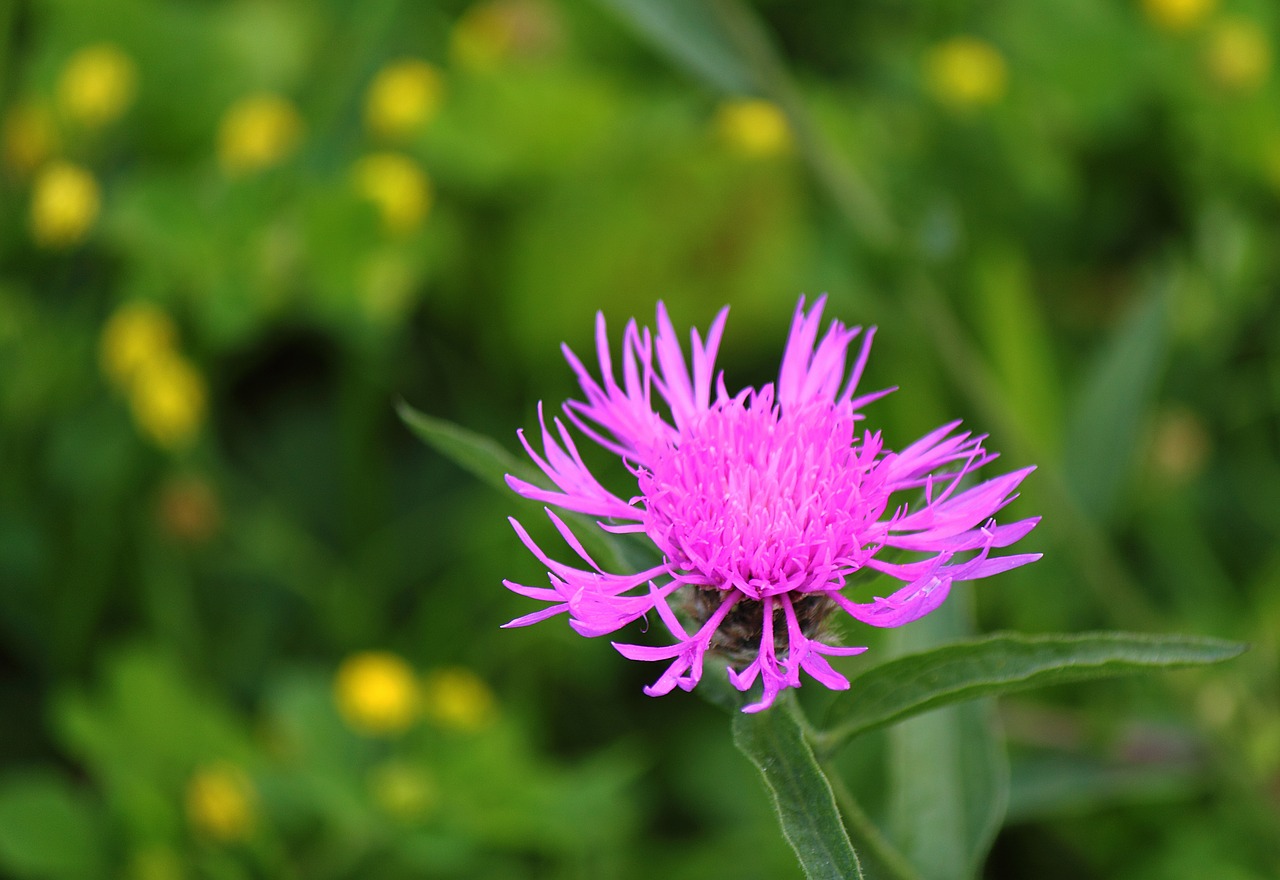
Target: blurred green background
point(249, 625)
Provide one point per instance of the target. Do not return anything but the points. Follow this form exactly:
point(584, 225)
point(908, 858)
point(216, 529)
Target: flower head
point(965, 72)
point(377, 693)
point(403, 97)
point(764, 506)
point(220, 802)
point(753, 127)
point(97, 85)
point(397, 187)
point(257, 132)
point(65, 201)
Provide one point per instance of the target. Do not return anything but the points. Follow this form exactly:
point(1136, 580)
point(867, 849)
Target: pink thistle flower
point(763, 505)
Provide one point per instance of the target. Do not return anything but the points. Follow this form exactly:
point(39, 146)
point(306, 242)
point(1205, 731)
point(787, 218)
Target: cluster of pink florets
point(762, 504)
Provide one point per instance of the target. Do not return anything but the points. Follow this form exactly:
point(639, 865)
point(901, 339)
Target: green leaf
point(45, 829)
point(485, 458)
point(693, 36)
point(1102, 433)
point(1003, 663)
point(1050, 787)
point(775, 743)
point(948, 772)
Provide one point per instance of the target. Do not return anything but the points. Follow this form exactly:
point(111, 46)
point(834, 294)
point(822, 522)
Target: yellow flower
point(220, 803)
point(257, 132)
point(457, 699)
point(402, 98)
point(398, 188)
point(135, 334)
point(753, 127)
point(1238, 56)
point(489, 33)
point(402, 790)
point(97, 85)
point(167, 398)
point(1177, 16)
point(966, 72)
point(65, 201)
point(376, 693)
point(29, 136)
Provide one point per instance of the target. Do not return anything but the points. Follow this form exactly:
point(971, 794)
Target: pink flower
point(763, 505)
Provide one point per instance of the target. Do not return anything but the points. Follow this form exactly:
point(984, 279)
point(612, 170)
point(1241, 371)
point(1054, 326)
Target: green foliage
point(1080, 264)
point(775, 743)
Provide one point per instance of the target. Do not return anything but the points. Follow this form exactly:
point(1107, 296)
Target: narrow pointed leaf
point(802, 796)
point(1111, 408)
point(486, 459)
point(692, 35)
point(1003, 663)
point(948, 771)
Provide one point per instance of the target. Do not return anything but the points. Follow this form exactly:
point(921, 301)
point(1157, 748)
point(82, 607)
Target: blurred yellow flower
point(377, 693)
point(397, 186)
point(65, 201)
point(965, 72)
point(1177, 15)
point(457, 699)
point(97, 85)
point(135, 334)
point(168, 400)
point(220, 803)
point(489, 33)
point(30, 136)
point(402, 98)
point(257, 132)
point(753, 127)
point(1238, 56)
point(402, 790)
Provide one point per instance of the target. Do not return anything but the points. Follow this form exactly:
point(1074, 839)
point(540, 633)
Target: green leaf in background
point(1102, 431)
point(486, 459)
point(775, 743)
point(693, 35)
point(1049, 787)
point(948, 771)
point(1003, 663)
point(46, 831)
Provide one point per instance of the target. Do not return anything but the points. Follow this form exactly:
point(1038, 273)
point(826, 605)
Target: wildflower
point(65, 201)
point(753, 127)
point(403, 97)
point(764, 504)
point(377, 693)
point(457, 699)
point(29, 136)
point(135, 334)
point(397, 187)
point(965, 72)
point(1177, 16)
point(220, 803)
point(1238, 56)
point(168, 401)
point(97, 85)
point(257, 132)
